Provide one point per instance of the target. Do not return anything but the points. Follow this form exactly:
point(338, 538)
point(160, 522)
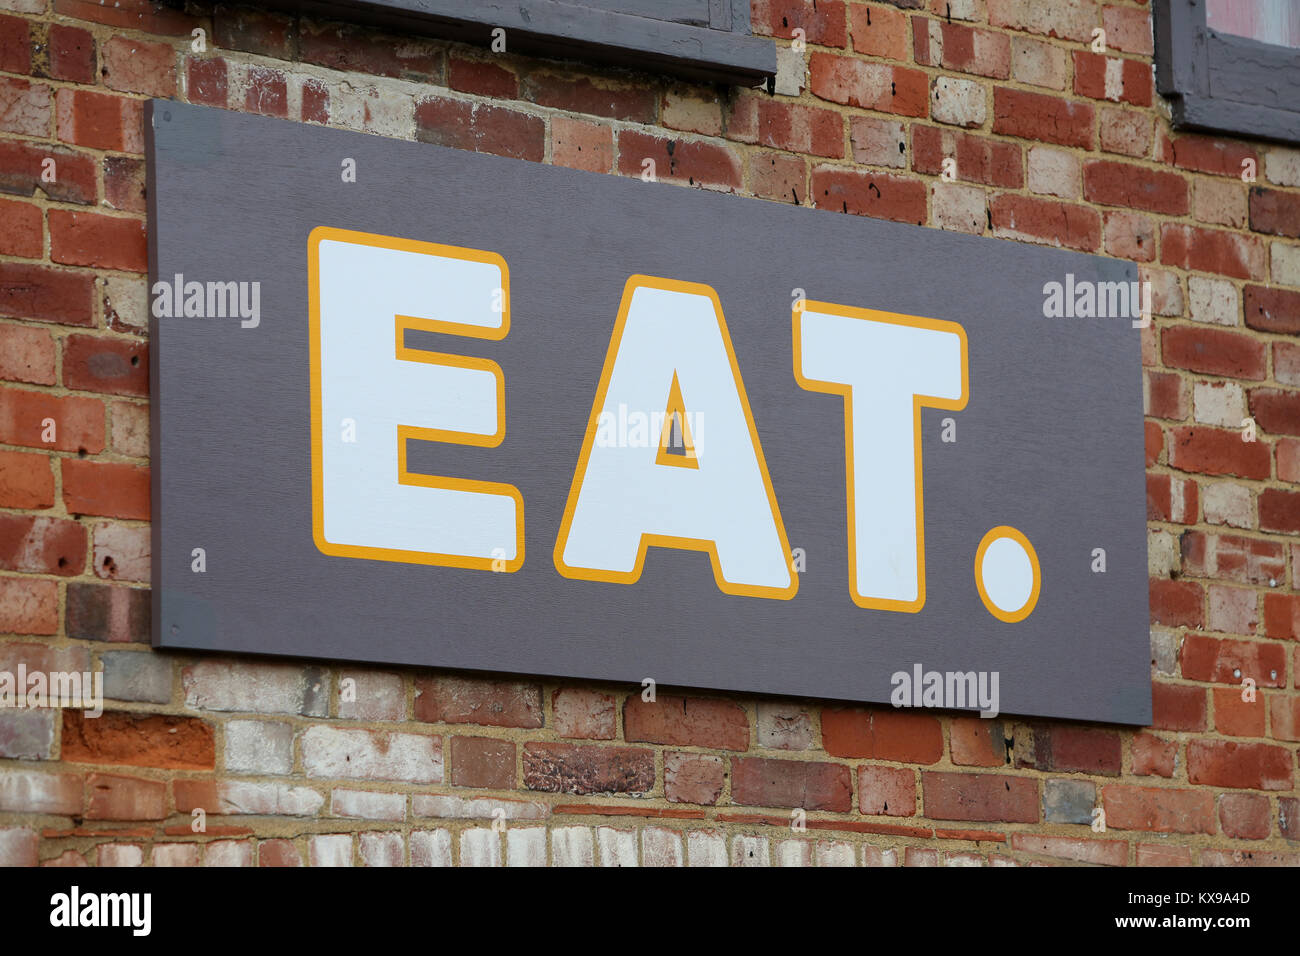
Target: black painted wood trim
point(1196, 66)
point(570, 30)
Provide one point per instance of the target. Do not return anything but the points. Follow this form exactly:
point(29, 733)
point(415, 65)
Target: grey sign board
point(737, 445)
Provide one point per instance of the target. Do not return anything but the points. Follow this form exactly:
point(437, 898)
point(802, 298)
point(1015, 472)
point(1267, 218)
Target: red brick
point(1211, 250)
point(208, 81)
point(124, 183)
point(879, 734)
point(1274, 212)
point(821, 20)
point(135, 66)
point(879, 31)
point(633, 103)
point(1124, 184)
point(979, 159)
point(1228, 763)
point(887, 791)
point(148, 16)
point(1284, 717)
point(115, 797)
point(71, 54)
point(355, 49)
point(775, 175)
point(1205, 154)
point(315, 102)
point(569, 768)
point(1279, 511)
point(15, 45)
point(104, 612)
point(138, 740)
point(686, 721)
point(1090, 71)
point(1228, 662)
point(106, 488)
point(88, 118)
point(1153, 438)
point(26, 354)
point(1177, 603)
point(456, 700)
point(1289, 817)
point(690, 161)
point(267, 92)
point(1159, 810)
point(581, 145)
point(480, 127)
point(582, 713)
point(1042, 117)
point(1178, 707)
point(1077, 749)
point(1245, 816)
point(28, 606)
point(874, 86)
point(1129, 236)
point(1101, 852)
point(42, 545)
point(878, 195)
point(22, 166)
point(1234, 717)
point(24, 230)
point(78, 422)
point(799, 129)
point(1172, 499)
point(98, 363)
point(483, 762)
point(1233, 558)
point(1218, 451)
point(954, 46)
point(1153, 756)
point(693, 778)
point(255, 31)
point(811, 785)
point(1042, 220)
point(1214, 352)
point(1158, 854)
point(977, 742)
point(1282, 616)
point(482, 77)
point(90, 239)
point(1272, 310)
point(278, 853)
point(26, 481)
point(988, 796)
point(24, 107)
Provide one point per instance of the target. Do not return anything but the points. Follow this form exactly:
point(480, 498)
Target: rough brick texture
point(1051, 143)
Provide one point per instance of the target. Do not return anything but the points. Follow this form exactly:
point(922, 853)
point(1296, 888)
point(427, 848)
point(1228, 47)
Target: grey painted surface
point(1050, 442)
point(654, 35)
point(1221, 83)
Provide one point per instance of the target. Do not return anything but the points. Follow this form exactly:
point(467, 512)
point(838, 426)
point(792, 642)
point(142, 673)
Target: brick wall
point(1053, 143)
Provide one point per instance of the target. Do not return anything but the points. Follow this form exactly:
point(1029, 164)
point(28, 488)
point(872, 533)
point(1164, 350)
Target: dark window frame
point(605, 31)
point(1220, 83)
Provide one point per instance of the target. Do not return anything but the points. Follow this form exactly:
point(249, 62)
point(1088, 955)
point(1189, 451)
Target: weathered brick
point(988, 796)
point(686, 721)
point(138, 740)
point(1229, 763)
point(568, 768)
point(457, 700)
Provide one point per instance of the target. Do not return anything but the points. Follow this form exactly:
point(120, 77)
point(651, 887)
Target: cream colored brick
point(957, 102)
point(959, 208)
point(1282, 166)
point(1213, 300)
point(1227, 503)
point(1163, 554)
point(1286, 264)
point(1053, 172)
point(1218, 403)
point(791, 71)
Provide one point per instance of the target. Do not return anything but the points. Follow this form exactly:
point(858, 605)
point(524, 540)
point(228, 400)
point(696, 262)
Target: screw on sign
point(670, 353)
